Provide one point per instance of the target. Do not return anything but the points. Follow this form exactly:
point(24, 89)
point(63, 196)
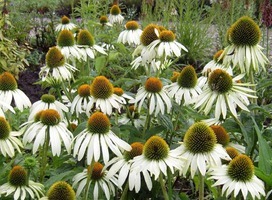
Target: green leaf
point(265, 152)
point(166, 121)
point(100, 63)
point(266, 178)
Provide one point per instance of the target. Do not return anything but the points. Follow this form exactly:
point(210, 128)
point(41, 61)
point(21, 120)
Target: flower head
point(103, 97)
point(99, 181)
point(156, 159)
point(115, 15)
point(97, 138)
point(226, 92)
point(185, 88)
point(66, 43)
point(85, 41)
point(131, 35)
point(48, 125)
point(65, 24)
point(19, 185)
point(8, 139)
point(104, 21)
point(9, 92)
point(244, 51)
point(156, 96)
point(200, 149)
point(238, 176)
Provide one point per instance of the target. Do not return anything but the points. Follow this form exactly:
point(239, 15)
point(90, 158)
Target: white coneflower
point(98, 178)
point(185, 88)
point(65, 24)
point(115, 16)
point(48, 125)
point(96, 140)
point(20, 186)
point(131, 35)
point(56, 66)
point(67, 45)
point(9, 139)
point(79, 103)
point(226, 93)
point(103, 97)
point(243, 51)
point(200, 149)
point(238, 177)
point(103, 20)
point(85, 41)
point(156, 96)
point(9, 92)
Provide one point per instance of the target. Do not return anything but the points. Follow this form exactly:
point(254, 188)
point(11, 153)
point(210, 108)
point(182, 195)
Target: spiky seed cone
point(232, 152)
point(221, 134)
point(155, 148)
point(174, 77)
point(137, 149)
point(167, 36)
point(48, 98)
point(65, 38)
point(50, 117)
point(245, 32)
point(61, 190)
point(103, 19)
point(200, 138)
point(118, 91)
point(4, 128)
point(54, 58)
point(84, 90)
point(65, 20)
point(148, 35)
point(101, 88)
point(153, 85)
point(98, 123)
point(241, 168)
point(85, 38)
point(7, 82)
point(115, 10)
point(97, 172)
point(18, 176)
point(217, 55)
point(187, 77)
point(220, 81)
point(132, 25)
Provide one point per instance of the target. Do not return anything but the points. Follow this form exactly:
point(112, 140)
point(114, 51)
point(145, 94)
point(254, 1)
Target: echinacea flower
point(103, 20)
point(9, 139)
point(115, 16)
point(65, 24)
point(56, 66)
point(97, 139)
point(200, 149)
point(243, 51)
point(48, 125)
point(156, 159)
point(131, 35)
point(156, 96)
point(226, 93)
point(85, 41)
point(186, 87)
point(47, 101)
point(120, 92)
point(67, 45)
point(215, 63)
point(60, 190)
point(166, 45)
point(79, 103)
point(20, 186)
point(9, 93)
point(238, 177)
point(103, 97)
point(99, 180)
point(121, 165)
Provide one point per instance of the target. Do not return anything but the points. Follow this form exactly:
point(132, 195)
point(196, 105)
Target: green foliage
point(12, 56)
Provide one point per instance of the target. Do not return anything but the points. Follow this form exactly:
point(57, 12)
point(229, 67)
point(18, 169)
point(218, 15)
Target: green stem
point(147, 122)
point(89, 171)
point(201, 187)
point(253, 87)
point(124, 194)
point(169, 182)
point(232, 12)
point(44, 156)
point(164, 192)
